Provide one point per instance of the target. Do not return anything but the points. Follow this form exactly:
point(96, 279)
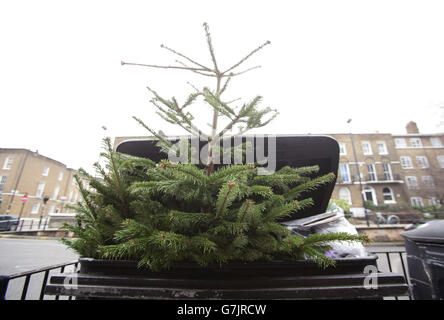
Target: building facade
point(369, 170)
point(25, 174)
point(422, 163)
point(395, 170)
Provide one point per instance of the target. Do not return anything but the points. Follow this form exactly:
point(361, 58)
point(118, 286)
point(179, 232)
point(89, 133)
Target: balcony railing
point(371, 178)
point(383, 178)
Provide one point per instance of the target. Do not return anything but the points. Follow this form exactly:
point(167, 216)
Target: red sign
point(24, 198)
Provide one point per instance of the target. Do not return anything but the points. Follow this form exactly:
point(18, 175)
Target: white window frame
point(390, 193)
point(428, 182)
point(416, 142)
point(440, 160)
point(372, 172)
point(433, 201)
point(347, 172)
point(346, 195)
point(60, 177)
point(384, 147)
point(342, 149)
point(7, 165)
point(364, 151)
point(388, 174)
point(436, 142)
point(422, 162)
point(419, 201)
point(76, 197)
point(3, 182)
point(400, 143)
point(45, 171)
point(406, 162)
point(52, 208)
point(35, 207)
point(56, 193)
point(40, 190)
point(412, 182)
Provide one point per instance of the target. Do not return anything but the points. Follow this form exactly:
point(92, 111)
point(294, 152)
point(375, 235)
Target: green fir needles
point(168, 213)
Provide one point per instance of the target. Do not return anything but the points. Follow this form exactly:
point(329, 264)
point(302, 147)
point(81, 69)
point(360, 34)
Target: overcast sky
point(380, 63)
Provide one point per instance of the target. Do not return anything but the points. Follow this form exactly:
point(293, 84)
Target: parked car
point(8, 222)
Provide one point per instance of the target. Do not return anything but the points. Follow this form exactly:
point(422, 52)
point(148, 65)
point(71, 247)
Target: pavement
point(24, 237)
point(24, 254)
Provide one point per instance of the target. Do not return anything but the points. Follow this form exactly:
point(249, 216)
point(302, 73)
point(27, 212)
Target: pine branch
point(225, 197)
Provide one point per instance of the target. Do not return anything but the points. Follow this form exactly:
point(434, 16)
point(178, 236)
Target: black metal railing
point(388, 261)
point(393, 261)
point(5, 280)
point(33, 225)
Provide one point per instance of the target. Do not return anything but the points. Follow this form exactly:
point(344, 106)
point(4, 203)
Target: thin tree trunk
point(210, 161)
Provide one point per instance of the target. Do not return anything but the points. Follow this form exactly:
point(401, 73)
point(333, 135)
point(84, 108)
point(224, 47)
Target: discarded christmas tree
point(165, 213)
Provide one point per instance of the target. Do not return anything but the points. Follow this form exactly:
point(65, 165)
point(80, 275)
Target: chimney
point(411, 127)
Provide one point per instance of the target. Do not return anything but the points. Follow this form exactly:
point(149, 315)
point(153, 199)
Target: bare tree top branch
point(210, 46)
point(185, 57)
point(242, 72)
point(247, 56)
point(163, 67)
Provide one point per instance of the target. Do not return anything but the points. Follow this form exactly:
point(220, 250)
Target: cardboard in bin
point(291, 150)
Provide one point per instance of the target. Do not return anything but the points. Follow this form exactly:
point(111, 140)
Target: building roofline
point(418, 134)
point(34, 153)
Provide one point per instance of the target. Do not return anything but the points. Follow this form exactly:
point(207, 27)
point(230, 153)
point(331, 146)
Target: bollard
point(4, 280)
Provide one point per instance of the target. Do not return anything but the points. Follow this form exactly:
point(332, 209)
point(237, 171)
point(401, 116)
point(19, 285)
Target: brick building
point(395, 169)
point(368, 165)
point(26, 172)
point(422, 163)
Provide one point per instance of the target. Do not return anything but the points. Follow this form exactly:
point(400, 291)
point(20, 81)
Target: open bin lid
point(291, 150)
point(431, 232)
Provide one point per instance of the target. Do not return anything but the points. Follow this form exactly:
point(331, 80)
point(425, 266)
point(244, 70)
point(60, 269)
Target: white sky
point(380, 63)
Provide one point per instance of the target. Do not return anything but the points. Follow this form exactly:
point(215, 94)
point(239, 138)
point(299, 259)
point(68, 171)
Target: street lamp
point(359, 174)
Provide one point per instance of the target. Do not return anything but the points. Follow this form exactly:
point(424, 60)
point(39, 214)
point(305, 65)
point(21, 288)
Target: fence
point(390, 260)
point(6, 280)
point(33, 224)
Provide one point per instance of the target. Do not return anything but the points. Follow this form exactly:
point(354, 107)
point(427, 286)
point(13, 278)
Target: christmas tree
point(164, 213)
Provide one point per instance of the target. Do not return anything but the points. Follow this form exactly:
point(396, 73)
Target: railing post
point(45, 280)
point(4, 280)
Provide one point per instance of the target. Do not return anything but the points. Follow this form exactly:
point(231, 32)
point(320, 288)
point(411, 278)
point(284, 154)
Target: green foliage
point(168, 213)
point(341, 203)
